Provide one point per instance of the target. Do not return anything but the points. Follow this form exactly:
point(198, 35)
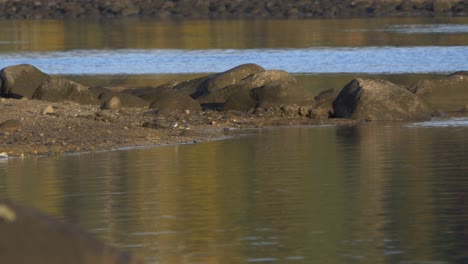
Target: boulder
point(20, 81)
point(10, 124)
point(126, 99)
point(324, 100)
point(58, 90)
point(267, 88)
point(280, 93)
point(364, 99)
point(207, 84)
point(112, 103)
point(447, 95)
point(175, 102)
point(29, 236)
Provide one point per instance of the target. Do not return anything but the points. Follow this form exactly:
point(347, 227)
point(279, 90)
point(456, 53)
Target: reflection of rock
point(19, 81)
point(364, 99)
point(58, 90)
point(448, 95)
point(31, 237)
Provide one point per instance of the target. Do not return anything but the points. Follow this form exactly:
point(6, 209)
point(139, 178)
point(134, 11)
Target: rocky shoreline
point(227, 9)
point(46, 115)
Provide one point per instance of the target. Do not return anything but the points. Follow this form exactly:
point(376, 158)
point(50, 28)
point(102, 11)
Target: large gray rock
point(268, 88)
point(28, 236)
point(448, 95)
point(175, 102)
point(207, 84)
point(58, 90)
point(364, 99)
point(20, 81)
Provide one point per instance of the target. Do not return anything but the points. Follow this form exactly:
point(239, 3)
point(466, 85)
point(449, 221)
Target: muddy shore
point(46, 128)
point(208, 9)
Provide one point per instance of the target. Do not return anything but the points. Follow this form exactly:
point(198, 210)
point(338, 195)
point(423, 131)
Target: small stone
point(48, 110)
point(10, 124)
point(113, 104)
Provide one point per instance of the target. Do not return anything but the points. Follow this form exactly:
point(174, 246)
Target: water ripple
point(387, 59)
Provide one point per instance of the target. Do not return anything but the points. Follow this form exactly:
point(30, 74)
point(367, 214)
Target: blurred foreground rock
point(28, 236)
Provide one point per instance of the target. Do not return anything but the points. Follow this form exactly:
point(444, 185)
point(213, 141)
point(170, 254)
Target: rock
point(242, 100)
point(10, 124)
point(267, 88)
point(207, 84)
point(229, 77)
point(32, 237)
point(20, 81)
point(48, 110)
point(58, 90)
point(364, 99)
point(113, 103)
point(175, 102)
point(448, 95)
point(282, 93)
point(324, 100)
point(126, 99)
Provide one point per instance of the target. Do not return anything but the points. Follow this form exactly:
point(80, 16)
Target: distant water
point(388, 60)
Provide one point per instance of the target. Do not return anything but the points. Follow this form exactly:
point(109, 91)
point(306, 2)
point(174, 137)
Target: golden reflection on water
point(57, 35)
point(328, 194)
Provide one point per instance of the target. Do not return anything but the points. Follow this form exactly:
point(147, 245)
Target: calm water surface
point(372, 193)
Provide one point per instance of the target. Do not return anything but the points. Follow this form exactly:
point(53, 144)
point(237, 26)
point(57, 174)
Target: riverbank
point(45, 128)
point(226, 9)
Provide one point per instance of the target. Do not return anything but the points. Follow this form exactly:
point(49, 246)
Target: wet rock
point(448, 95)
point(58, 90)
point(242, 100)
point(20, 81)
point(364, 99)
point(29, 236)
point(10, 124)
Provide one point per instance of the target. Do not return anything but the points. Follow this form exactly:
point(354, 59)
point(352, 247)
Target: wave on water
point(374, 60)
point(452, 122)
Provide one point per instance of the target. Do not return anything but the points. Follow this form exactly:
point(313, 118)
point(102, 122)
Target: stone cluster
point(213, 9)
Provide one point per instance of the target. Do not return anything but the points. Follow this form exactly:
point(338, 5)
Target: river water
point(371, 193)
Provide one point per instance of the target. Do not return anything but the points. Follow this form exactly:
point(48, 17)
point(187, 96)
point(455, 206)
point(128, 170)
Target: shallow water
point(299, 46)
point(374, 193)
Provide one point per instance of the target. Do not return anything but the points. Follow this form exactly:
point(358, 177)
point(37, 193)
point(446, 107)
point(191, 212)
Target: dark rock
point(31, 237)
point(20, 81)
point(264, 89)
point(449, 94)
point(282, 93)
point(241, 100)
point(207, 84)
point(10, 124)
point(126, 99)
point(175, 102)
point(324, 100)
point(364, 99)
point(58, 90)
